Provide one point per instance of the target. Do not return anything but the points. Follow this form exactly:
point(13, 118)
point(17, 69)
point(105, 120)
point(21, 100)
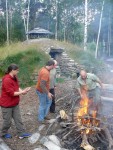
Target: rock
point(40, 148)
point(55, 140)
point(41, 127)
point(34, 138)
point(44, 139)
point(3, 146)
point(51, 142)
point(29, 113)
point(50, 145)
point(52, 120)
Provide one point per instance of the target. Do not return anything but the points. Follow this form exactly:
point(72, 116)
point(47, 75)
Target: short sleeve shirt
point(90, 82)
point(44, 74)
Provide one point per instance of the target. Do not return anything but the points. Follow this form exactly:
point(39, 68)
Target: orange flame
point(84, 107)
point(84, 118)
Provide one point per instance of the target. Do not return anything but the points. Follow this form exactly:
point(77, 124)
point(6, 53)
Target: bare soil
point(29, 111)
point(29, 108)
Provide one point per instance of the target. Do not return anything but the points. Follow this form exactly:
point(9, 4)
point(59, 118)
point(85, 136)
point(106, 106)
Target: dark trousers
point(52, 107)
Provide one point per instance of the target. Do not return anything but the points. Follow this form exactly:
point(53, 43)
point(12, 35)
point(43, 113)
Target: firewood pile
point(77, 127)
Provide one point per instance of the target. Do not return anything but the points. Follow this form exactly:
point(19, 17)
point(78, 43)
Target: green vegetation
point(31, 58)
point(60, 80)
point(28, 58)
point(84, 58)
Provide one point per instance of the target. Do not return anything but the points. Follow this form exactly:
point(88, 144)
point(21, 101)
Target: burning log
point(85, 144)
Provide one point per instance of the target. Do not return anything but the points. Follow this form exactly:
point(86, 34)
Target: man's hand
point(82, 96)
point(50, 95)
point(26, 90)
point(55, 87)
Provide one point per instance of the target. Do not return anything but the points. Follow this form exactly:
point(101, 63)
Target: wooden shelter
point(39, 33)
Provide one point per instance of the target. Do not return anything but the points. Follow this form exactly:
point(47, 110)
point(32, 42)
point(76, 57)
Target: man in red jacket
point(9, 102)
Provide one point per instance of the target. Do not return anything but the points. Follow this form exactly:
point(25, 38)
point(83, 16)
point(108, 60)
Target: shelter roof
point(40, 31)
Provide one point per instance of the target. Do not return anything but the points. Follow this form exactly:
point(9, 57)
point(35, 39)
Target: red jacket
point(9, 86)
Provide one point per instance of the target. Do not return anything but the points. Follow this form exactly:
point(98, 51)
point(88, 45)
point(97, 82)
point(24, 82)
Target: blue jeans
point(44, 105)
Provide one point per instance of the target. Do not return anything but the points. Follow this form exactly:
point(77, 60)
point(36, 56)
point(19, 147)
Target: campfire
point(87, 118)
point(87, 121)
point(82, 127)
point(79, 125)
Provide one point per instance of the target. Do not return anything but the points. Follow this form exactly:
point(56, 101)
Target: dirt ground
point(29, 111)
point(28, 107)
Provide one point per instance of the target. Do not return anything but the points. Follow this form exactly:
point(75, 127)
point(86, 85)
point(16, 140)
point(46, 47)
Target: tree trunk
point(96, 51)
point(85, 27)
point(7, 23)
point(27, 28)
point(56, 25)
point(109, 34)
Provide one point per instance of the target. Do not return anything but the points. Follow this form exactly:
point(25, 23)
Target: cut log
point(85, 144)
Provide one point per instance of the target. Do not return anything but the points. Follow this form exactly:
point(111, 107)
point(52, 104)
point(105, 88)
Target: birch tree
point(27, 28)
point(96, 51)
point(7, 22)
point(56, 24)
point(85, 25)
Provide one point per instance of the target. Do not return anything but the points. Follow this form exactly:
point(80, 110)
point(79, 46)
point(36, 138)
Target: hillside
point(32, 55)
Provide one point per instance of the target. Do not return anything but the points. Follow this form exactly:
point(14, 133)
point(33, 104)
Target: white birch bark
point(96, 51)
point(85, 26)
point(24, 23)
point(56, 25)
point(7, 23)
point(109, 34)
point(27, 28)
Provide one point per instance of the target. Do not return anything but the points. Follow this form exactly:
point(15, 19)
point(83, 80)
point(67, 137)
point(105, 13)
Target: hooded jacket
point(9, 86)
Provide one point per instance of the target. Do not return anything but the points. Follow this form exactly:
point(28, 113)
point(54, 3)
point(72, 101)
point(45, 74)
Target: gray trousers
point(9, 114)
point(95, 96)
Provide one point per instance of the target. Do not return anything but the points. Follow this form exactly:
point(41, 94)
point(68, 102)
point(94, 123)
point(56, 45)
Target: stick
point(85, 144)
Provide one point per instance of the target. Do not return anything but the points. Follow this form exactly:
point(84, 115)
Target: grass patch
point(60, 80)
point(28, 60)
point(31, 57)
